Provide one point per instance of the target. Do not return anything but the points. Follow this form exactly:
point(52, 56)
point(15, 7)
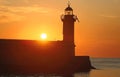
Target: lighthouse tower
point(68, 20)
point(68, 24)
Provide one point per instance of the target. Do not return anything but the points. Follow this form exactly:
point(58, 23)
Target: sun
point(43, 36)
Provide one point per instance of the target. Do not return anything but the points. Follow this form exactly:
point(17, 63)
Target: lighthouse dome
point(68, 8)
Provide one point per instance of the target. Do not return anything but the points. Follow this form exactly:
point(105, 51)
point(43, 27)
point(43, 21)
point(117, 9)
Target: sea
point(105, 67)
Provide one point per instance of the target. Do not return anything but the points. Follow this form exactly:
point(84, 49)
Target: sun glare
point(43, 36)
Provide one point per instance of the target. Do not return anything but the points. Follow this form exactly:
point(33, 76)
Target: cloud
point(22, 2)
point(109, 16)
point(24, 9)
point(16, 10)
point(8, 14)
point(9, 17)
point(14, 2)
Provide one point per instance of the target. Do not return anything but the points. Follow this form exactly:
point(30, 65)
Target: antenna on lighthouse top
point(69, 3)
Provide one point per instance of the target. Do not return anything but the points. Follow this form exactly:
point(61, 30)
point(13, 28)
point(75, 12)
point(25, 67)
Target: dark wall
point(24, 51)
point(28, 56)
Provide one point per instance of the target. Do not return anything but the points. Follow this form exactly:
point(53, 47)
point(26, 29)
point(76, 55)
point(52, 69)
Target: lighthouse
point(68, 19)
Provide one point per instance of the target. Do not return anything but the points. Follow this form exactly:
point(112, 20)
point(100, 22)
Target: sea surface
point(106, 67)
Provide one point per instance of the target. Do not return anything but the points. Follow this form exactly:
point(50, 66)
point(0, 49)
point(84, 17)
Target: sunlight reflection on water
point(100, 73)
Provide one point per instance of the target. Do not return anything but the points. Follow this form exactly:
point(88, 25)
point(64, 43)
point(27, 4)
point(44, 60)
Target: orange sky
point(97, 34)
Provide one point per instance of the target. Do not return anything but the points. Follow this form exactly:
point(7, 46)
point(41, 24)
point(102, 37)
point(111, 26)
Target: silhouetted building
point(32, 56)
